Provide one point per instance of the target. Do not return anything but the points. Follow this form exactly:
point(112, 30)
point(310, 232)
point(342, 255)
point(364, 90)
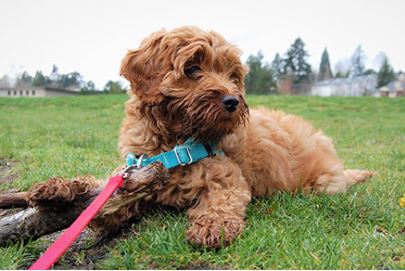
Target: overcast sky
point(92, 36)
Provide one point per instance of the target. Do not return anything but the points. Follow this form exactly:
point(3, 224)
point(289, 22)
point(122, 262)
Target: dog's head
point(195, 79)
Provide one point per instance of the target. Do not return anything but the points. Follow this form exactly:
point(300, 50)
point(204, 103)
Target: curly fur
point(265, 151)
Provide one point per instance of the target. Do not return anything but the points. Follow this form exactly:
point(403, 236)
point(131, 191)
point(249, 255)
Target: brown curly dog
point(190, 83)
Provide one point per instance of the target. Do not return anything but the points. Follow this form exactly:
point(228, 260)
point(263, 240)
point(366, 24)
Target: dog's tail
point(357, 175)
point(338, 183)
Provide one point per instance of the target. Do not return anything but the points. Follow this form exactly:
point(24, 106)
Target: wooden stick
point(35, 222)
point(13, 200)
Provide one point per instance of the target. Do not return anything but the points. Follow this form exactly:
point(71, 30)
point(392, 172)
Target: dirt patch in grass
point(81, 255)
point(6, 171)
point(202, 266)
point(85, 252)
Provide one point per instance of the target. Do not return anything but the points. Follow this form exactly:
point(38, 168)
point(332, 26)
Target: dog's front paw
point(214, 232)
point(57, 192)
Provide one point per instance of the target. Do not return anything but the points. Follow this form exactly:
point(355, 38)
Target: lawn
point(362, 229)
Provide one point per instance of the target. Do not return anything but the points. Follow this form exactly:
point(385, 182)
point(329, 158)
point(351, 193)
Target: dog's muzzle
point(230, 102)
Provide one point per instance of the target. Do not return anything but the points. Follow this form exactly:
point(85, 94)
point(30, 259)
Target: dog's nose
point(230, 102)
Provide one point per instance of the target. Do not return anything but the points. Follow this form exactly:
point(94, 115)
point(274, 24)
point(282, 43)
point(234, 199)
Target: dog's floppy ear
point(145, 68)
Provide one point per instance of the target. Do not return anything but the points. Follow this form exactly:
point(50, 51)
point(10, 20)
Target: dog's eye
point(235, 78)
point(191, 71)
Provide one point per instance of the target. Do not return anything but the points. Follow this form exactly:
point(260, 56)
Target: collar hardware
point(176, 153)
point(181, 155)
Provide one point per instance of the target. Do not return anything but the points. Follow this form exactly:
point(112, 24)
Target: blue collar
point(181, 155)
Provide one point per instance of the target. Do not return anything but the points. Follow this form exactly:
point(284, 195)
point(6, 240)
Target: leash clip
point(139, 161)
point(133, 167)
point(127, 170)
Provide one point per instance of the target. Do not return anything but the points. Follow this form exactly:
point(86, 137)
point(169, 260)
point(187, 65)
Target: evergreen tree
point(39, 79)
point(24, 80)
point(357, 62)
point(295, 62)
point(260, 79)
point(277, 66)
point(325, 71)
point(386, 74)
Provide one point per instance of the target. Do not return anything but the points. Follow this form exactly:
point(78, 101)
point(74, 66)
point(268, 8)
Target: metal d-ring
point(140, 160)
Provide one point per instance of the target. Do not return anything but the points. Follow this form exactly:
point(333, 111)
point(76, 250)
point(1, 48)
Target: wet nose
point(230, 102)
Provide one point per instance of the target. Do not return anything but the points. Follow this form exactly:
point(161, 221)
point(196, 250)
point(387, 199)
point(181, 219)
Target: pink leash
point(54, 252)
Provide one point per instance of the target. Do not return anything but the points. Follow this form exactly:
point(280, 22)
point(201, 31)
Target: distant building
point(287, 86)
point(395, 88)
point(36, 92)
point(357, 86)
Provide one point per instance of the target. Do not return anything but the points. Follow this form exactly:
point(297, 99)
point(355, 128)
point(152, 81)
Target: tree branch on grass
point(54, 205)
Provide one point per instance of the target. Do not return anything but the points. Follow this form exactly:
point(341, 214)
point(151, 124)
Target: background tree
point(25, 79)
point(39, 79)
point(277, 66)
point(342, 68)
point(72, 80)
point(325, 72)
point(88, 88)
point(386, 74)
point(297, 74)
point(54, 76)
point(295, 62)
point(369, 71)
point(5, 81)
point(260, 79)
point(114, 87)
point(357, 62)
point(55, 79)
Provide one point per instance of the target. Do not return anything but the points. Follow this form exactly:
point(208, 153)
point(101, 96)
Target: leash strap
point(54, 252)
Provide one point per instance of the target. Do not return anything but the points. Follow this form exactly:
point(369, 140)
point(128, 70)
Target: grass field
point(362, 229)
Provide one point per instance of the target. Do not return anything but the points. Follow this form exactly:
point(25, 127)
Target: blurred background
point(323, 48)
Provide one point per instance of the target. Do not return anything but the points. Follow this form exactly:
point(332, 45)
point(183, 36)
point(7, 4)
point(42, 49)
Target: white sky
point(92, 36)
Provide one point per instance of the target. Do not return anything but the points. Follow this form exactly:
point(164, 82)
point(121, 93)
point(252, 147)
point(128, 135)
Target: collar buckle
point(176, 153)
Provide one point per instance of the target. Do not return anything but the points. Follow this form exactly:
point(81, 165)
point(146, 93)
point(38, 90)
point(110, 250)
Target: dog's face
point(195, 79)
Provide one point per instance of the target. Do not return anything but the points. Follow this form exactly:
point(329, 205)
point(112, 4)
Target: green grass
point(362, 229)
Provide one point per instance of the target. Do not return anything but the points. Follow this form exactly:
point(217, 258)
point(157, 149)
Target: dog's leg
point(219, 215)
point(218, 218)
